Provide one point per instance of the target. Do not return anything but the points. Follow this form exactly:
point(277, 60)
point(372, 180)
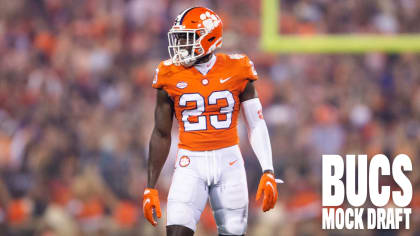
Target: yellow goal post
point(272, 41)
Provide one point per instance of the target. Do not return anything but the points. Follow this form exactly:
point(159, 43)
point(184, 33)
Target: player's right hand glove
point(267, 186)
point(150, 203)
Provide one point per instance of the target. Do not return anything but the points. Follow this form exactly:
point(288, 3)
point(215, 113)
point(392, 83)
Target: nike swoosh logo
point(146, 202)
point(271, 185)
point(224, 80)
point(232, 162)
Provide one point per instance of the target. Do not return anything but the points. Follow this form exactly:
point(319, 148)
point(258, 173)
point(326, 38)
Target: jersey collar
point(205, 67)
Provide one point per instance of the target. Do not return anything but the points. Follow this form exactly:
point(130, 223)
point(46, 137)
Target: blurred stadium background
point(76, 108)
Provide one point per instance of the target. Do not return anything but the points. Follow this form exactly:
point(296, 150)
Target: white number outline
point(227, 110)
point(199, 108)
point(197, 111)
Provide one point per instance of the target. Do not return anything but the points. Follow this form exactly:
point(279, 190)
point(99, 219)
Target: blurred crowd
point(76, 109)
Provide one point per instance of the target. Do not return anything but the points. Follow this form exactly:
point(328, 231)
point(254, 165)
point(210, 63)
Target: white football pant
point(218, 174)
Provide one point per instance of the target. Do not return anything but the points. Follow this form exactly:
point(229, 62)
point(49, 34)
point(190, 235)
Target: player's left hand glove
point(150, 202)
point(267, 186)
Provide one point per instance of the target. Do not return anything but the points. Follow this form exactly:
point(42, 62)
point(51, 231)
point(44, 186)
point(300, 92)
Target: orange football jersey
point(206, 106)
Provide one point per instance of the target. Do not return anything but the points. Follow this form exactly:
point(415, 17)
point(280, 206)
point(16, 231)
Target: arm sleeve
point(258, 132)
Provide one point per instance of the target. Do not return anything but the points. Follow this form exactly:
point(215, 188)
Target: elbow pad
point(257, 132)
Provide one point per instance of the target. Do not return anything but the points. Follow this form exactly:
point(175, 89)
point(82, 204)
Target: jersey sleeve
point(248, 69)
point(248, 72)
point(160, 76)
point(157, 79)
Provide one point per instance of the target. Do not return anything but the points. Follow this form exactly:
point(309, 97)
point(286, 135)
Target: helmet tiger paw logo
point(210, 21)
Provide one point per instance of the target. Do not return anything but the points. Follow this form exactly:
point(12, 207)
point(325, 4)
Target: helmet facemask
point(185, 45)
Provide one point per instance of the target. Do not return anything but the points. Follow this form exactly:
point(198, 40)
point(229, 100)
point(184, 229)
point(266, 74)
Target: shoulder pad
point(236, 56)
point(165, 67)
point(167, 62)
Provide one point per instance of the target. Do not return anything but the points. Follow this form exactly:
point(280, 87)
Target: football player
point(205, 91)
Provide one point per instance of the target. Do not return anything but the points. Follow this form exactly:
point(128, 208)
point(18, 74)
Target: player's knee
point(231, 222)
point(233, 227)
